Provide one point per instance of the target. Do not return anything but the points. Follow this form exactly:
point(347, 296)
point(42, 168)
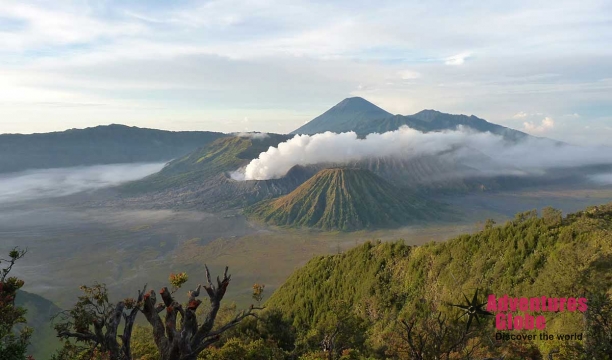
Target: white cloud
point(409, 74)
point(458, 59)
point(547, 124)
point(46, 27)
point(520, 115)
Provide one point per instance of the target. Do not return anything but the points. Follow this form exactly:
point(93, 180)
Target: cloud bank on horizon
point(530, 156)
point(207, 65)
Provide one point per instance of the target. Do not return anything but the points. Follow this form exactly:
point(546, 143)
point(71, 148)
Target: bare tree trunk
point(191, 339)
point(105, 328)
point(177, 337)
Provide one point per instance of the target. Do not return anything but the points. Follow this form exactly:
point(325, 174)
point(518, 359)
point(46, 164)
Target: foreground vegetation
point(394, 301)
point(530, 256)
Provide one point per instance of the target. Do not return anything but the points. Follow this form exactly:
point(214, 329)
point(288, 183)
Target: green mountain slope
point(202, 179)
point(97, 145)
point(345, 199)
point(40, 311)
point(343, 117)
point(223, 155)
point(530, 256)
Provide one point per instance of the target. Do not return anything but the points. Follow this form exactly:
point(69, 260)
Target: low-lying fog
point(48, 212)
point(71, 245)
point(603, 179)
point(71, 240)
point(49, 183)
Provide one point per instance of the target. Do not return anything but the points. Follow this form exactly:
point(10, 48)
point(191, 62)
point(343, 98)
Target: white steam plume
point(252, 135)
point(530, 154)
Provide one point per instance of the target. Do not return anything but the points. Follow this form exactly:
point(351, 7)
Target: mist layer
point(34, 184)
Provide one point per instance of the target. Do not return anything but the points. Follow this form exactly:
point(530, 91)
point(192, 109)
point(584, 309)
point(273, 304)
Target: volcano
point(345, 199)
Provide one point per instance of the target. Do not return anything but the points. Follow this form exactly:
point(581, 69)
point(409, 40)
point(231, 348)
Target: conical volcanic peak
point(343, 117)
point(345, 199)
point(357, 104)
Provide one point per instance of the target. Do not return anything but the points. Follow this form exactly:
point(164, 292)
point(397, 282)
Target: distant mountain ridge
point(124, 144)
point(359, 115)
point(96, 146)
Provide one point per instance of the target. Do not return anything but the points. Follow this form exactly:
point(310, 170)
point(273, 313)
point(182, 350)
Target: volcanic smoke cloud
point(531, 154)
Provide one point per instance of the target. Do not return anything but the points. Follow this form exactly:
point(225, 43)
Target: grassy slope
point(225, 154)
point(344, 199)
point(203, 163)
point(527, 257)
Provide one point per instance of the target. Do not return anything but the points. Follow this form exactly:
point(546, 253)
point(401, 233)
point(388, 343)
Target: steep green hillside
point(530, 256)
point(345, 199)
point(40, 311)
point(97, 145)
point(202, 179)
point(223, 155)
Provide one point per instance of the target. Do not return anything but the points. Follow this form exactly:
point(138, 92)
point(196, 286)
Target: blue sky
point(544, 67)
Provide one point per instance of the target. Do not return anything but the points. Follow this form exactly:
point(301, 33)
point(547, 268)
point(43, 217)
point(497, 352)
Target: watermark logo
point(506, 308)
point(473, 309)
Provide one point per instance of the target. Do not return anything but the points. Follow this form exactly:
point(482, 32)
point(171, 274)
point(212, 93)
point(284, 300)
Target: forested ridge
point(530, 256)
point(108, 144)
